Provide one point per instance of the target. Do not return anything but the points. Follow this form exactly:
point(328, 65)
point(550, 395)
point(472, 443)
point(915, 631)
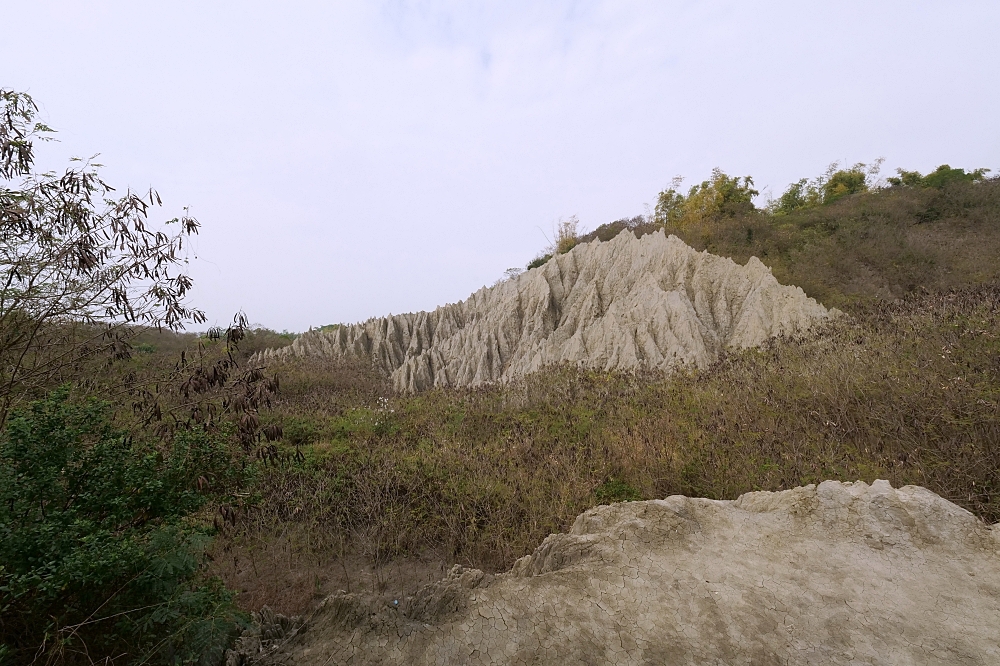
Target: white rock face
point(652, 302)
point(838, 573)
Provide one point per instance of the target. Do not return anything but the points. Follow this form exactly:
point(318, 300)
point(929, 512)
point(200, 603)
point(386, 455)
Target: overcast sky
point(351, 159)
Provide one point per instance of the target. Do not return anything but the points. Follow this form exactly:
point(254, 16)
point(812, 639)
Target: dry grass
point(906, 388)
point(906, 391)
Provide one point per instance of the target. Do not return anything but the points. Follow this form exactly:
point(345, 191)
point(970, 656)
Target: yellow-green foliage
point(827, 188)
point(720, 195)
point(567, 235)
point(938, 178)
point(873, 245)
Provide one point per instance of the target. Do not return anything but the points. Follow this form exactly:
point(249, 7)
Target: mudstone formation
point(650, 302)
point(838, 573)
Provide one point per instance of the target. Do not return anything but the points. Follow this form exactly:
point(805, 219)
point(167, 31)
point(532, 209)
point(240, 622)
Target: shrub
point(637, 225)
point(510, 274)
point(834, 184)
point(798, 195)
point(720, 195)
point(616, 490)
point(96, 557)
point(299, 431)
point(844, 182)
point(938, 178)
point(567, 235)
point(538, 261)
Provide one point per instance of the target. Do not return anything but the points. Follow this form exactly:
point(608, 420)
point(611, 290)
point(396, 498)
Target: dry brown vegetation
point(906, 388)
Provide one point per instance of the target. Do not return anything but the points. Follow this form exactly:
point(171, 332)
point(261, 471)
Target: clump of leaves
point(938, 178)
point(540, 260)
point(834, 184)
point(96, 556)
point(616, 490)
point(720, 195)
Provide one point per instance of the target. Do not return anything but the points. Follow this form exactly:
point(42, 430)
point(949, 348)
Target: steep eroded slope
point(628, 303)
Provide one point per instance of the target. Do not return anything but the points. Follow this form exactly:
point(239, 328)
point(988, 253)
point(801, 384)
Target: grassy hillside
point(906, 388)
point(872, 245)
point(347, 485)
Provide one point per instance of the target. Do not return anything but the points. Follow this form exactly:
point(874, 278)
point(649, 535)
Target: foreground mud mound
point(652, 302)
point(834, 574)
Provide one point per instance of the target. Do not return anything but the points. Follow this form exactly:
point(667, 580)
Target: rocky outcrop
point(625, 304)
point(838, 573)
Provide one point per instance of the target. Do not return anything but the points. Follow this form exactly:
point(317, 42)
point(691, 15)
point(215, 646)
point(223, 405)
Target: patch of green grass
point(616, 490)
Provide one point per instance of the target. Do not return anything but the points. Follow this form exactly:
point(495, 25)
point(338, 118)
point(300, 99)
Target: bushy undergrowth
point(98, 558)
point(907, 391)
point(906, 388)
point(857, 249)
point(869, 246)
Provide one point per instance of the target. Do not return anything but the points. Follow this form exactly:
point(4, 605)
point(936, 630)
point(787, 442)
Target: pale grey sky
point(351, 159)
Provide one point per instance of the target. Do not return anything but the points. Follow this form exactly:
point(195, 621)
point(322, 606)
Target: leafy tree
point(721, 195)
point(96, 557)
point(938, 178)
point(798, 195)
point(670, 204)
point(834, 184)
point(844, 182)
point(80, 268)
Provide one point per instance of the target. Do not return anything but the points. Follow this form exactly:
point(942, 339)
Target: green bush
point(616, 490)
point(300, 431)
point(835, 184)
point(539, 261)
point(798, 195)
point(938, 178)
point(720, 195)
point(97, 556)
point(844, 182)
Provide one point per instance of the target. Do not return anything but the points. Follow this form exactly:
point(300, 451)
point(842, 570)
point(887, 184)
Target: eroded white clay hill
point(838, 573)
point(628, 303)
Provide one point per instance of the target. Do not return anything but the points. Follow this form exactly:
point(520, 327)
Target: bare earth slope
point(652, 302)
point(836, 574)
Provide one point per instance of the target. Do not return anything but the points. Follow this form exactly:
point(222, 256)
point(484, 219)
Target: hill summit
point(629, 303)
